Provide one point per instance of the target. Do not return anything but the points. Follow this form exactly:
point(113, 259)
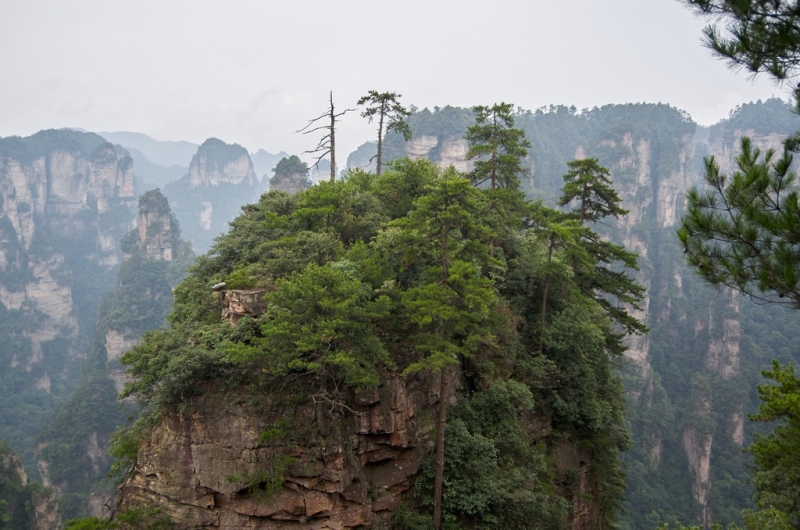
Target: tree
point(777, 455)
point(327, 144)
point(452, 300)
point(391, 115)
point(762, 35)
point(496, 147)
point(744, 232)
point(595, 261)
point(588, 183)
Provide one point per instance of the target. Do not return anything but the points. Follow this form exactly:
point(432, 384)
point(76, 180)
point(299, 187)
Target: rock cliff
point(24, 506)
point(221, 179)
point(65, 199)
point(338, 466)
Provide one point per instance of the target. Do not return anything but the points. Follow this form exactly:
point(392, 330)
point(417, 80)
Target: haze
point(254, 72)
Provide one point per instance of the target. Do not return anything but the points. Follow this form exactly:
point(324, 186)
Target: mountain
point(150, 175)
point(220, 181)
point(72, 449)
point(65, 200)
point(690, 381)
point(163, 153)
point(264, 163)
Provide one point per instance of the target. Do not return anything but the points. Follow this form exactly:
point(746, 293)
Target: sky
point(254, 72)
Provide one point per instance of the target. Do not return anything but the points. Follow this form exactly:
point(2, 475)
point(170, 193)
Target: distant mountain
point(264, 163)
point(221, 179)
point(167, 153)
point(150, 175)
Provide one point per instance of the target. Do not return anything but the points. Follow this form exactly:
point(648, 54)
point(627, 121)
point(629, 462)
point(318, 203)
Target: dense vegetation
point(363, 275)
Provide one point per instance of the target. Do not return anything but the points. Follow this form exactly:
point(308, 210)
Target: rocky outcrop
point(219, 163)
point(337, 465)
point(220, 181)
point(292, 182)
point(158, 232)
point(39, 503)
point(238, 303)
point(444, 151)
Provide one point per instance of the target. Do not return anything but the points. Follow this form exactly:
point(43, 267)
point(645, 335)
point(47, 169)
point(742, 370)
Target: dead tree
point(327, 144)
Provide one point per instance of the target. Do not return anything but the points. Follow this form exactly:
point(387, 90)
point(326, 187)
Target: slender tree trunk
point(438, 481)
point(333, 142)
point(544, 296)
point(380, 143)
point(583, 205)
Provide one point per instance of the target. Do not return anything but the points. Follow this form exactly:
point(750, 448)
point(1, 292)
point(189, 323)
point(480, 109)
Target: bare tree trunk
point(380, 143)
point(438, 481)
point(333, 142)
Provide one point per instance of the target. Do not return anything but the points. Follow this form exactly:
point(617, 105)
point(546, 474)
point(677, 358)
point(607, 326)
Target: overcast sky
point(254, 72)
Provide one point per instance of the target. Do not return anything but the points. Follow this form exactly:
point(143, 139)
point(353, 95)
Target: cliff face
point(445, 151)
point(24, 507)
point(221, 179)
point(208, 466)
point(65, 198)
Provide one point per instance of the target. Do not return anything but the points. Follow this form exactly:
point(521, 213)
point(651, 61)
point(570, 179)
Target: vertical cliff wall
point(72, 450)
point(65, 199)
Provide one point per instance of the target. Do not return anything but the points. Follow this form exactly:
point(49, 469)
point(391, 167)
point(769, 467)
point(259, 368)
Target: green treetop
point(290, 166)
point(588, 184)
point(496, 147)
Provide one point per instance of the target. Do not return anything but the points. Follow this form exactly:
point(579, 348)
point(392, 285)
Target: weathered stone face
point(350, 471)
point(239, 303)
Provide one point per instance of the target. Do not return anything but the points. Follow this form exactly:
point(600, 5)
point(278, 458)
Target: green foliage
point(16, 507)
point(760, 35)
point(322, 319)
point(777, 455)
point(290, 166)
point(743, 232)
point(496, 147)
point(371, 275)
point(495, 476)
point(90, 523)
point(391, 116)
point(588, 183)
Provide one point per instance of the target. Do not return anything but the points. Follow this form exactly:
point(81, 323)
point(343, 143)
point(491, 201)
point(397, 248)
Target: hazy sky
point(254, 72)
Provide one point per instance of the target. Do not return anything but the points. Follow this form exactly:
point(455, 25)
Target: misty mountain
point(164, 153)
point(264, 163)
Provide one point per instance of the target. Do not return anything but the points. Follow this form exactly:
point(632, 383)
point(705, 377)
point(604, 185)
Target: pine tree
point(391, 117)
point(595, 261)
point(327, 144)
point(452, 300)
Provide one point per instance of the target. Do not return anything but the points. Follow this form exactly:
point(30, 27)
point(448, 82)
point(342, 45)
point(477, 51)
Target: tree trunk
point(333, 142)
point(544, 296)
point(380, 142)
point(438, 486)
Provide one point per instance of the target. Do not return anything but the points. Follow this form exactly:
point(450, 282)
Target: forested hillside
point(68, 201)
point(391, 301)
point(691, 382)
